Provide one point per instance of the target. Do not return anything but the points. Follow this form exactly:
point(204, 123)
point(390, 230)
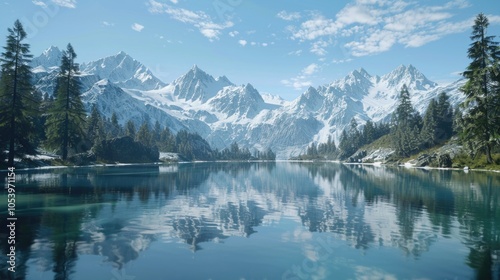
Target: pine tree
point(130, 129)
point(444, 117)
point(167, 141)
point(458, 121)
point(144, 134)
point(480, 127)
point(407, 124)
point(156, 133)
point(17, 104)
point(66, 120)
point(369, 132)
point(95, 127)
point(429, 133)
point(345, 145)
point(116, 129)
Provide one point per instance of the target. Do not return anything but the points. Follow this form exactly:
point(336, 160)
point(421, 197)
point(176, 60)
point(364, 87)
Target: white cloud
point(198, 19)
point(65, 3)
point(106, 23)
point(233, 33)
point(39, 3)
point(137, 27)
point(319, 48)
point(310, 69)
point(356, 14)
point(174, 1)
point(296, 83)
point(297, 52)
point(264, 44)
point(339, 61)
point(315, 28)
point(374, 26)
point(284, 15)
point(302, 80)
point(242, 42)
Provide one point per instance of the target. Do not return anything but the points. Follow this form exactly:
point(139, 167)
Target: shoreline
point(378, 164)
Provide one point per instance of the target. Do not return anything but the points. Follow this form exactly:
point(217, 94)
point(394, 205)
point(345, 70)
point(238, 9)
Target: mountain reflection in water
point(121, 214)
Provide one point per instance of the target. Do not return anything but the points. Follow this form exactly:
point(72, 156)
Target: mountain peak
point(363, 72)
point(121, 55)
point(51, 50)
point(196, 84)
point(410, 76)
point(123, 70)
point(50, 57)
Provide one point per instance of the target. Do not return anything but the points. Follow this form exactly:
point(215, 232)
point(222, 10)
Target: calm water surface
point(254, 221)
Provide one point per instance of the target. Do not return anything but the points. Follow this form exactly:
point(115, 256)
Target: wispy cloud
point(243, 42)
point(374, 26)
point(107, 23)
point(65, 3)
point(284, 15)
point(302, 80)
point(319, 47)
point(296, 53)
point(310, 69)
point(39, 3)
point(202, 21)
point(137, 27)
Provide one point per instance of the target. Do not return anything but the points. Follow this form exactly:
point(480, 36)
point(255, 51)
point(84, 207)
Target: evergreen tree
point(458, 121)
point(312, 151)
point(369, 132)
point(156, 133)
point(167, 141)
point(345, 145)
point(355, 135)
point(444, 117)
point(116, 129)
point(130, 129)
point(95, 127)
point(480, 126)
point(429, 133)
point(66, 120)
point(407, 123)
point(144, 135)
point(17, 104)
point(38, 119)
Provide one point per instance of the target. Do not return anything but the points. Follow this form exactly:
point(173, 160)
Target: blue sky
point(281, 47)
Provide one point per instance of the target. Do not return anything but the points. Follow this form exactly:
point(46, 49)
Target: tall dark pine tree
point(66, 121)
point(17, 105)
point(481, 90)
point(406, 126)
point(430, 132)
point(95, 127)
point(444, 117)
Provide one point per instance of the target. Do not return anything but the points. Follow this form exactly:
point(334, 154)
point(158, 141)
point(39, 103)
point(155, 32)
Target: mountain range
point(223, 113)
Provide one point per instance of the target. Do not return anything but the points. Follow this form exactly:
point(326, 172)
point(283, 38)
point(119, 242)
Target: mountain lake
point(253, 220)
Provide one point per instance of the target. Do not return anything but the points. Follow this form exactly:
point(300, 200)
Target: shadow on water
point(117, 212)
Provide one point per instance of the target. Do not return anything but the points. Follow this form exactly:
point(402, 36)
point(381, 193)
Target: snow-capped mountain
point(124, 71)
point(50, 58)
point(198, 85)
point(223, 112)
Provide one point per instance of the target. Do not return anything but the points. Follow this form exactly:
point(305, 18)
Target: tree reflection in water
point(118, 212)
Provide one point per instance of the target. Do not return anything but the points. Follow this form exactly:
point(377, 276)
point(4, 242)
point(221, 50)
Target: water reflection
point(117, 213)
